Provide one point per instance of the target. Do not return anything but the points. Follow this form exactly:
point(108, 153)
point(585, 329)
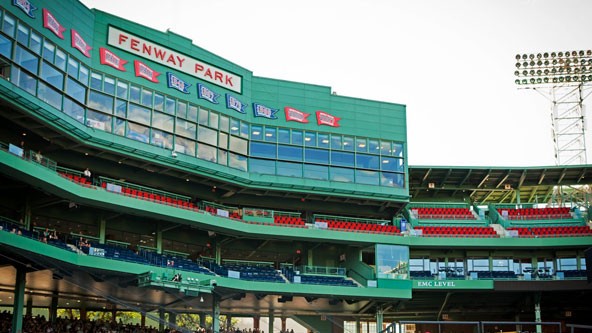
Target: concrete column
point(18, 300)
point(256, 322)
point(379, 318)
point(537, 311)
point(102, 230)
point(30, 306)
point(53, 307)
point(228, 321)
point(270, 323)
point(202, 320)
point(215, 313)
point(161, 320)
point(172, 320)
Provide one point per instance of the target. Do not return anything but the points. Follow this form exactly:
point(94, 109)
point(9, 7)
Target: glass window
point(342, 159)
point(158, 102)
point(119, 126)
point(265, 150)
point(73, 68)
point(203, 118)
point(342, 175)
point(26, 59)
point(478, 264)
point(185, 128)
point(234, 126)
point(238, 145)
point(109, 85)
point(222, 157)
point(214, 120)
point(373, 146)
point(137, 132)
point(52, 76)
point(256, 132)
point(320, 156)
point(8, 26)
point(398, 149)
point(185, 146)
point(270, 134)
point(139, 114)
point(336, 141)
point(121, 108)
point(290, 153)
point(50, 96)
point(161, 139)
point(264, 167)
point(122, 89)
point(192, 113)
point(163, 121)
point(75, 90)
point(60, 60)
point(222, 140)
point(181, 109)
point(147, 98)
point(100, 101)
point(134, 94)
point(244, 129)
point(289, 169)
point(96, 81)
point(310, 139)
point(22, 34)
point(236, 161)
point(392, 179)
point(361, 145)
point(392, 261)
point(98, 120)
point(367, 161)
point(284, 135)
point(35, 43)
point(224, 121)
point(207, 153)
point(73, 109)
point(348, 143)
point(5, 47)
point(367, 177)
point(24, 81)
point(83, 75)
point(391, 164)
point(169, 105)
point(319, 172)
point(206, 135)
point(297, 137)
point(385, 148)
point(48, 51)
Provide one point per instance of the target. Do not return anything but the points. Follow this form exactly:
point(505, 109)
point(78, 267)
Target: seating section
point(420, 274)
point(246, 272)
point(574, 273)
point(438, 213)
point(549, 213)
point(167, 200)
point(295, 221)
point(501, 275)
point(553, 231)
point(359, 226)
point(329, 280)
point(234, 214)
point(457, 231)
point(77, 179)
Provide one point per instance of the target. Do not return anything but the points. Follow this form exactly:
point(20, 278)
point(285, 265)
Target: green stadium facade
point(142, 173)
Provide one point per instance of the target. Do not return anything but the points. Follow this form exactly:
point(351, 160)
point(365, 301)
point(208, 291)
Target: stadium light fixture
point(553, 68)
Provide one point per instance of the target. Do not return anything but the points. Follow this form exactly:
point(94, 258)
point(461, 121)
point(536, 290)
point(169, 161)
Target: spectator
point(87, 175)
point(38, 157)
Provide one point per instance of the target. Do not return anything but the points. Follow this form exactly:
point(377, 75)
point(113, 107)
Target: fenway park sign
point(159, 54)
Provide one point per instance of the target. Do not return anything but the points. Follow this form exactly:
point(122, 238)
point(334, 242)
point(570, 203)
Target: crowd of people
point(39, 324)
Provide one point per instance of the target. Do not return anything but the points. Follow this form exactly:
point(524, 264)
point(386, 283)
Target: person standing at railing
point(38, 157)
point(87, 175)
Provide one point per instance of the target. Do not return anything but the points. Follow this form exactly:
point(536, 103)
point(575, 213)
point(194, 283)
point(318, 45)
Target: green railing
point(229, 262)
point(143, 188)
point(321, 270)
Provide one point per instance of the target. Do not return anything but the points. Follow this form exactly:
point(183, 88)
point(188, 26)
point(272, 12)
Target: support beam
point(18, 299)
point(215, 313)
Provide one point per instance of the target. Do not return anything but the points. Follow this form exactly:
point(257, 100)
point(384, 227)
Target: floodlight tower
point(565, 79)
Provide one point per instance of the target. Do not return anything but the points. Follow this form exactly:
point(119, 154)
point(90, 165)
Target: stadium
point(143, 174)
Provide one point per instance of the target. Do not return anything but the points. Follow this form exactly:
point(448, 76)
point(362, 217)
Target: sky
point(450, 62)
